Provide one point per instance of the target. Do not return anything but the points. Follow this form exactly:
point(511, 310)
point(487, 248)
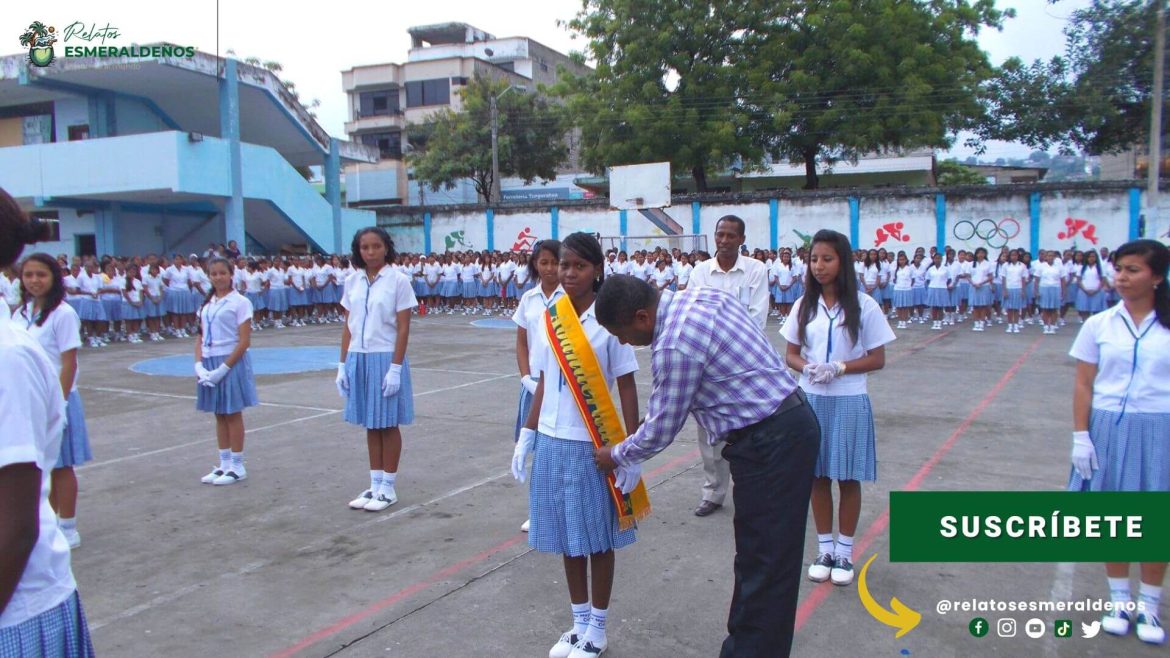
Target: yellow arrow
point(902, 618)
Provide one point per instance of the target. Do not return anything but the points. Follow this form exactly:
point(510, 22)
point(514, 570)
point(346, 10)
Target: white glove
point(529, 384)
point(524, 447)
point(342, 381)
point(216, 376)
point(823, 373)
point(1084, 455)
point(627, 477)
point(201, 373)
point(392, 382)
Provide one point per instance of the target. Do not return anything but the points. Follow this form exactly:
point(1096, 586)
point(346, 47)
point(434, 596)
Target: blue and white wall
point(1032, 217)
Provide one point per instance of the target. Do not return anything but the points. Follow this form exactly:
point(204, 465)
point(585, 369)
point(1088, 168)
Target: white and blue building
point(165, 155)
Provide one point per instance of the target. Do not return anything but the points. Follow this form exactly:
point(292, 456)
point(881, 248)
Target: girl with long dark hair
point(839, 335)
point(40, 611)
point(57, 328)
point(1121, 413)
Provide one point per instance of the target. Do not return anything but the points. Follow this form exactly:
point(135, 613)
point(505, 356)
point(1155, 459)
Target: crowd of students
point(840, 302)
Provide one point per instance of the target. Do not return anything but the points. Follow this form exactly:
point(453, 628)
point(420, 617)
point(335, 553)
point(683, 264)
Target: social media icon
point(978, 627)
point(1006, 627)
point(1034, 628)
point(1089, 631)
point(1062, 628)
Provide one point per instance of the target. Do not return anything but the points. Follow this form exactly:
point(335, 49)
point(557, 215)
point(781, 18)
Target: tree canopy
point(706, 85)
point(452, 146)
point(1096, 97)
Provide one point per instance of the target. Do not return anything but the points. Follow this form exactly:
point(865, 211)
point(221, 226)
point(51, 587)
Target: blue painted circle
point(494, 323)
point(265, 361)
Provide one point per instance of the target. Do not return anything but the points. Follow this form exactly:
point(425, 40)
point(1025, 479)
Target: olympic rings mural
point(993, 234)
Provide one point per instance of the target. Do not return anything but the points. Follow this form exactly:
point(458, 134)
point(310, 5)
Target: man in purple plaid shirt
point(711, 359)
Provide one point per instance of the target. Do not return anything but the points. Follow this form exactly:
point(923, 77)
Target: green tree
point(835, 79)
point(458, 145)
point(664, 86)
point(950, 172)
point(1096, 97)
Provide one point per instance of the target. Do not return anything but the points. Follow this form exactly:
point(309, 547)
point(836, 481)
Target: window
point(459, 82)
point(78, 133)
point(54, 221)
point(389, 143)
point(428, 92)
point(378, 103)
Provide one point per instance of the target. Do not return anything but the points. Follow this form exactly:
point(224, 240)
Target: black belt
point(794, 400)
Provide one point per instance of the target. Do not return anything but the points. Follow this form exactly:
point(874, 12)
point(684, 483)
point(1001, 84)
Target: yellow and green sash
point(583, 373)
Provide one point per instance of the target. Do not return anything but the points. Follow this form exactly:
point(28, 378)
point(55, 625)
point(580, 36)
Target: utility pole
point(493, 103)
point(495, 111)
point(1153, 170)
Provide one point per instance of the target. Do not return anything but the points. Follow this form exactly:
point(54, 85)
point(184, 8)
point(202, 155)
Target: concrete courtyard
point(279, 566)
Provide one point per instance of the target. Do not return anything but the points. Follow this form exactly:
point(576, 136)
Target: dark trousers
point(772, 465)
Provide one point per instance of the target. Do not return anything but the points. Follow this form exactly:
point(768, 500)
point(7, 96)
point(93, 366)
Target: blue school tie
point(829, 344)
point(1133, 366)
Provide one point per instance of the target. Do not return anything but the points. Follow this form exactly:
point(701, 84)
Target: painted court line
point(879, 525)
point(173, 396)
point(447, 572)
point(204, 441)
point(324, 412)
point(179, 593)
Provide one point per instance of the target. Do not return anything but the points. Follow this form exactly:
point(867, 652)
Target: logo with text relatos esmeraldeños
point(39, 39)
point(90, 40)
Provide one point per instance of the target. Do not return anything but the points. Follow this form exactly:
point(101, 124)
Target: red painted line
point(920, 345)
point(677, 461)
point(879, 525)
point(395, 598)
point(436, 577)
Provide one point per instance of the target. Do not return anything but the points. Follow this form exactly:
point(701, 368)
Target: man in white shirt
point(747, 279)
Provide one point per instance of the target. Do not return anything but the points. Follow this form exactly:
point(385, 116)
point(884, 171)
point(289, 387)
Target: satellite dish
point(489, 52)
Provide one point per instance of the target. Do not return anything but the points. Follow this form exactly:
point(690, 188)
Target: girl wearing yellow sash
point(572, 505)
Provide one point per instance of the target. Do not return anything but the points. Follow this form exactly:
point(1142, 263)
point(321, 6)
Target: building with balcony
point(385, 98)
point(164, 155)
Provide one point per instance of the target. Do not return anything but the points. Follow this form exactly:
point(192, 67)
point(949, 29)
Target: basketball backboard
point(641, 186)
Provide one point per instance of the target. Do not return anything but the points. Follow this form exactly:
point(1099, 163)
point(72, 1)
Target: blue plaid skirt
point(89, 309)
point(1133, 454)
point(1049, 298)
point(154, 309)
point(847, 437)
point(570, 509)
point(919, 296)
point(980, 296)
point(298, 297)
point(258, 299)
point(179, 302)
point(1013, 299)
point(491, 289)
point(365, 405)
point(59, 632)
point(938, 298)
point(236, 392)
point(903, 298)
point(113, 308)
point(469, 288)
point(451, 289)
point(75, 449)
point(1090, 302)
point(132, 312)
point(278, 300)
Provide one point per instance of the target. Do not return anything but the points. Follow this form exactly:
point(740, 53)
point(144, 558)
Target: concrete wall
point(133, 118)
point(1052, 216)
point(71, 111)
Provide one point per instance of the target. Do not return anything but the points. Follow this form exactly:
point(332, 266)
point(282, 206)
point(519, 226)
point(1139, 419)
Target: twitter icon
point(1089, 631)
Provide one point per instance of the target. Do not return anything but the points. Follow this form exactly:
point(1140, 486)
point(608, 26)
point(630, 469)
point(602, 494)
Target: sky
point(314, 55)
